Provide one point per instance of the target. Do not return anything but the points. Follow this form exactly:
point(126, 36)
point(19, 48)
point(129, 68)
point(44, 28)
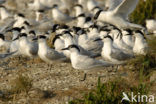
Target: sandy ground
point(59, 79)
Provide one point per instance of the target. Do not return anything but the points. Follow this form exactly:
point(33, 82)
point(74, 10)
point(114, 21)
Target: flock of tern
point(83, 31)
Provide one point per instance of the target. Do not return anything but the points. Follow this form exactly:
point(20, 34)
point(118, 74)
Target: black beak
point(15, 38)
point(129, 34)
point(65, 49)
point(98, 39)
point(86, 29)
point(35, 39)
point(9, 30)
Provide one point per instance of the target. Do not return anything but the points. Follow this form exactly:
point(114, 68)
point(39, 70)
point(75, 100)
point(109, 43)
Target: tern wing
point(54, 55)
point(125, 8)
point(112, 4)
point(87, 63)
point(6, 55)
point(2, 1)
point(119, 55)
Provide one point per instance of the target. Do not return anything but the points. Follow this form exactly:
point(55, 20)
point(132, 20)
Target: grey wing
point(64, 17)
point(54, 55)
point(34, 48)
point(119, 55)
point(2, 1)
point(126, 7)
point(86, 62)
point(7, 26)
point(6, 55)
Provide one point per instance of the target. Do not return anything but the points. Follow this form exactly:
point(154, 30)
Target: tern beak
point(9, 30)
point(35, 39)
point(65, 49)
point(15, 38)
point(98, 39)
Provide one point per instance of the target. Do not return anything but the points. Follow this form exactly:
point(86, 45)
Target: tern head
point(55, 27)
point(21, 15)
point(81, 32)
point(1, 6)
point(23, 35)
point(54, 6)
point(82, 15)
point(15, 29)
point(78, 6)
point(66, 34)
point(117, 32)
point(139, 34)
point(96, 8)
point(76, 29)
point(55, 38)
point(127, 32)
point(94, 27)
point(26, 23)
point(72, 48)
point(23, 29)
point(97, 14)
point(32, 32)
point(88, 19)
point(104, 31)
point(41, 11)
point(107, 38)
point(2, 36)
point(64, 27)
point(41, 38)
point(18, 16)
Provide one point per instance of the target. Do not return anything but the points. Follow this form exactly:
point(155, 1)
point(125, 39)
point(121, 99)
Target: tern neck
point(78, 11)
point(4, 13)
point(68, 41)
point(15, 34)
point(42, 45)
point(108, 45)
point(39, 16)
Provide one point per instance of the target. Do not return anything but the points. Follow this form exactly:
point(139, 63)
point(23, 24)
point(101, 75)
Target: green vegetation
point(143, 11)
point(111, 92)
point(21, 84)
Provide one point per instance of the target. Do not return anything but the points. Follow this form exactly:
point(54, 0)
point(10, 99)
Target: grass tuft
point(143, 11)
point(111, 92)
point(21, 84)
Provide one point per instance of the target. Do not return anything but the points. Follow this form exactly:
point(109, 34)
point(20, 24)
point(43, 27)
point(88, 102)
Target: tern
point(112, 4)
point(4, 13)
point(151, 25)
point(48, 54)
point(127, 37)
point(118, 41)
point(91, 4)
point(78, 9)
point(119, 15)
point(59, 16)
point(26, 47)
point(110, 53)
point(140, 45)
point(85, 63)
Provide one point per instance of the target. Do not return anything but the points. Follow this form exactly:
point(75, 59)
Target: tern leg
point(84, 77)
point(19, 58)
point(117, 67)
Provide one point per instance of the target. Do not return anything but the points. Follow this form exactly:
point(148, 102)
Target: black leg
point(84, 77)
